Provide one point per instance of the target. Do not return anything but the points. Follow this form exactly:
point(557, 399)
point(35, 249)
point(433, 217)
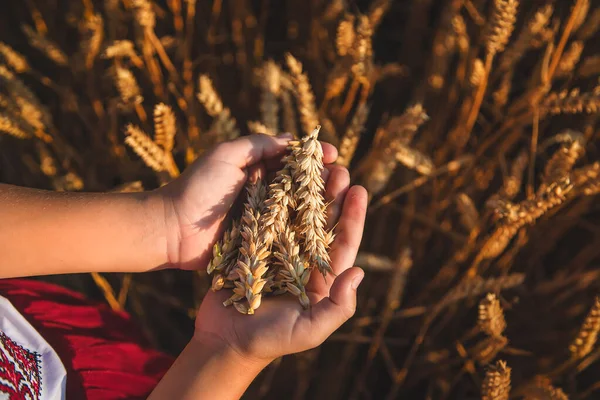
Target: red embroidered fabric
point(104, 352)
point(20, 375)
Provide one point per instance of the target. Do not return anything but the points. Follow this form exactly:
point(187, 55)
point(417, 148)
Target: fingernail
point(357, 281)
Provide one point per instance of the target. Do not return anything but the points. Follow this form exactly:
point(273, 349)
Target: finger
point(331, 312)
point(247, 150)
point(330, 153)
point(335, 191)
point(349, 230)
point(256, 172)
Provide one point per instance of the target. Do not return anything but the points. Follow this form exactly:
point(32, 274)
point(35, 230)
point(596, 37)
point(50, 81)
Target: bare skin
point(175, 227)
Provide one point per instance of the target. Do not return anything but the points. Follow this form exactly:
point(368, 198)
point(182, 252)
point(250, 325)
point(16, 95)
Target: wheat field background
point(472, 123)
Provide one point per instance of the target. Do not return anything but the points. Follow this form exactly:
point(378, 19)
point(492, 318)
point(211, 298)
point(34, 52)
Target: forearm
point(208, 369)
point(45, 233)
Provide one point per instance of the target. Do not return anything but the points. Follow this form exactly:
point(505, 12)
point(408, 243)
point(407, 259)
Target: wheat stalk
point(496, 384)
point(588, 333)
point(310, 205)
point(469, 216)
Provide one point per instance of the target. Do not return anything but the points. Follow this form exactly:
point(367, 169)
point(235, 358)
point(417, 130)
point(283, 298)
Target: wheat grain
point(491, 316)
point(588, 333)
point(502, 25)
point(13, 59)
point(310, 204)
point(164, 127)
point(496, 385)
point(352, 135)
point(47, 47)
point(304, 95)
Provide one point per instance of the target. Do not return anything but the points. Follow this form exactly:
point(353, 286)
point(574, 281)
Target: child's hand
point(280, 326)
point(197, 202)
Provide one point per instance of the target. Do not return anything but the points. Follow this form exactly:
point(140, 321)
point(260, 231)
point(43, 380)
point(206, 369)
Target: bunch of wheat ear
point(281, 237)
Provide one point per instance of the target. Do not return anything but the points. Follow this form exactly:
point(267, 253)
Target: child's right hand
point(280, 326)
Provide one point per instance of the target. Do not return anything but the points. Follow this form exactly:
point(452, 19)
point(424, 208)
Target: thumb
point(331, 312)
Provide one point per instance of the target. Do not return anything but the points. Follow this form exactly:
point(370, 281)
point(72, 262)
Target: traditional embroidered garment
point(26, 360)
point(103, 354)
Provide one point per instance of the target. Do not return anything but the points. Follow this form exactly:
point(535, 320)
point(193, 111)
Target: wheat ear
point(14, 60)
point(271, 88)
point(152, 154)
point(121, 49)
point(12, 127)
point(491, 316)
point(352, 136)
point(572, 102)
point(293, 272)
point(46, 46)
point(225, 255)
point(304, 94)
point(310, 204)
point(164, 126)
point(588, 333)
point(252, 261)
point(224, 125)
point(127, 86)
point(496, 385)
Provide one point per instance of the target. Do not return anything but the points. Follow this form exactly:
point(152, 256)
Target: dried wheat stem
point(93, 36)
point(310, 205)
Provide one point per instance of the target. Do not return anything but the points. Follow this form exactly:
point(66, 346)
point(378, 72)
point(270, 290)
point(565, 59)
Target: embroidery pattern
point(20, 371)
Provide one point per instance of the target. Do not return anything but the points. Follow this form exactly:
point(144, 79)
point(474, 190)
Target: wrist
point(206, 341)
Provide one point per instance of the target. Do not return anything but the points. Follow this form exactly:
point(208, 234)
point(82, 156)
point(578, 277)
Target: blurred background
point(473, 123)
